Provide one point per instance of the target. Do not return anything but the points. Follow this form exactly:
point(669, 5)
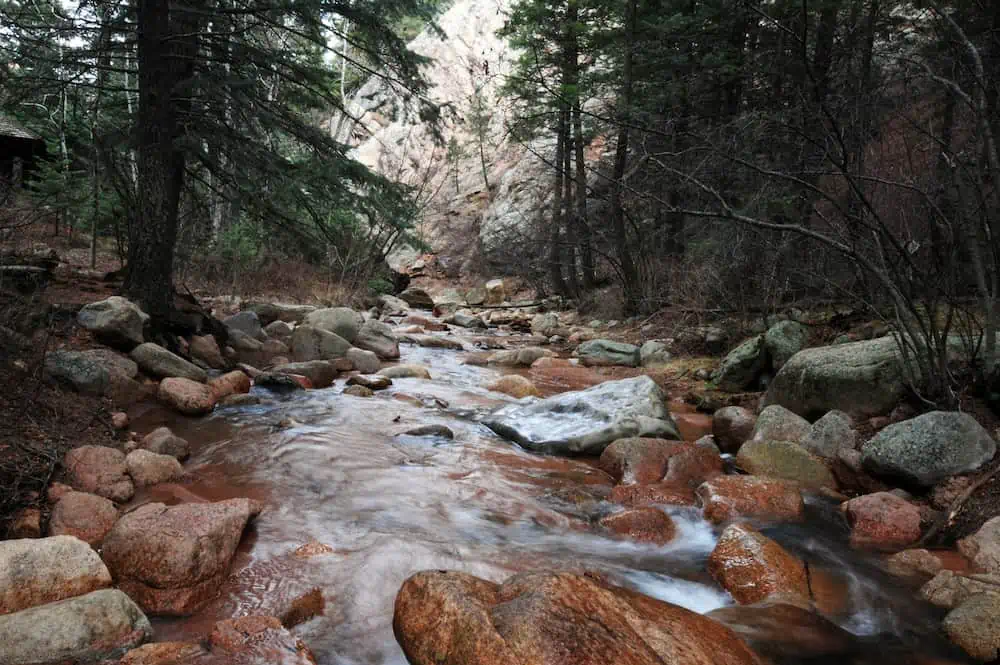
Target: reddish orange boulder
point(753, 568)
point(882, 521)
point(647, 525)
point(726, 498)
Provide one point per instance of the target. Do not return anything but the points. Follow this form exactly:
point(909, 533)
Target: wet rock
point(86, 516)
point(731, 426)
point(36, 571)
point(752, 567)
point(163, 441)
point(917, 565)
point(949, 590)
point(206, 349)
point(586, 421)
point(927, 449)
point(726, 498)
point(405, 372)
point(148, 468)
point(114, 321)
point(545, 325)
point(435, 342)
point(656, 494)
point(783, 340)
point(78, 371)
point(450, 618)
point(363, 361)
point(268, 313)
point(243, 342)
point(776, 423)
point(882, 521)
point(975, 626)
point(172, 560)
point(358, 391)
point(605, 352)
point(391, 305)
point(275, 348)
point(321, 373)
point(310, 343)
point(26, 523)
point(342, 321)
point(465, 320)
point(646, 525)
point(99, 470)
point(830, 434)
point(525, 357)
point(654, 354)
point(786, 631)
point(89, 628)
point(983, 547)
point(186, 396)
point(645, 461)
point(239, 400)
point(431, 430)
point(370, 381)
point(246, 322)
point(230, 383)
point(278, 330)
point(164, 653)
point(514, 385)
point(281, 382)
point(258, 639)
point(157, 362)
point(860, 378)
point(741, 367)
point(417, 297)
point(378, 338)
point(785, 460)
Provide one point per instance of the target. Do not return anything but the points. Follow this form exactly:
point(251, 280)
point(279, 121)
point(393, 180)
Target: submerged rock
point(258, 639)
point(725, 498)
point(584, 422)
point(431, 430)
point(646, 525)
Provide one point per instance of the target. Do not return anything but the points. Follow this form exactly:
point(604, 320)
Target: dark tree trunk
point(581, 224)
point(555, 239)
point(629, 276)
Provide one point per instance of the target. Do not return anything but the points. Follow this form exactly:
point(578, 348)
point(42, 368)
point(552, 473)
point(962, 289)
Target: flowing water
point(337, 470)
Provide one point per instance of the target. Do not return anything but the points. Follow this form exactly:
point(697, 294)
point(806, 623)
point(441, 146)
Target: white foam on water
point(696, 597)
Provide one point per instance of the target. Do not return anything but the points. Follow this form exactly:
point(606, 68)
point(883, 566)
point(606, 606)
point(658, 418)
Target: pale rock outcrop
point(36, 571)
point(115, 321)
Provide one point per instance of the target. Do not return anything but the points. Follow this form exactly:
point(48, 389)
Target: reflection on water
point(333, 470)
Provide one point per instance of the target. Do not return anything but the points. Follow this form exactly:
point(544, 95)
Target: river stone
point(983, 547)
point(405, 372)
point(948, 589)
point(741, 367)
point(257, 639)
point(975, 626)
point(882, 521)
point(148, 468)
point(230, 383)
point(927, 449)
point(86, 516)
point(776, 423)
point(417, 297)
point(752, 567)
point(496, 294)
point(435, 342)
point(377, 337)
point(163, 441)
point(465, 320)
point(786, 632)
point(584, 422)
point(431, 430)
point(342, 321)
point(241, 341)
point(321, 373)
point(156, 361)
point(36, 571)
point(172, 560)
point(861, 378)
point(476, 296)
point(830, 434)
point(370, 381)
point(786, 460)
point(783, 340)
point(514, 385)
point(725, 498)
point(654, 354)
point(732, 426)
point(246, 322)
point(278, 330)
point(99, 470)
point(268, 313)
point(186, 396)
point(605, 352)
point(391, 305)
point(545, 325)
point(206, 349)
point(452, 618)
point(114, 321)
point(310, 343)
point(117, 364)
point(644, 525)
point(165, 653)
point(366, 362)
point(281, 382)
point(77, 370)
point(89, 628)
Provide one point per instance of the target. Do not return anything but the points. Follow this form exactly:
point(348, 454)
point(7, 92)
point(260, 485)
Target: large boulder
point(96, 627)
point(172, 560)
point(654, 354)
point(605, 352)
point(321, 373)
point(417, 297)
point(645, 525)
point(450, 618)
point(392, 306)
point(278, 330)
point(752, 567)
point(86, 516)
point(206, 349)
point(975, 626)
point(343, 321)
point(162, 440)
point(377, 337)
point(186, 396)
point(786, 460)
point(495, 292)
point(725, 498)
point(830, 434)
point(584, 422)
point(783, 340)
point(545, 325)
point(861, 378)
point(882, 521)
point(776, 423)
point(36, 571)
point(246, 322)
point(160, 363)
point(147, 468)
point(78, 370)
point(790, 633)
point(99, 470)
point(114, 321)
point(983, 547)
point(268, 313)
point(310, 343)
point(927, 449)
point(741, 367)
point(679, 465)
point(732, 426)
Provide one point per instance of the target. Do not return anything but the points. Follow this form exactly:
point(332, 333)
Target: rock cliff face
point(467, 215)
